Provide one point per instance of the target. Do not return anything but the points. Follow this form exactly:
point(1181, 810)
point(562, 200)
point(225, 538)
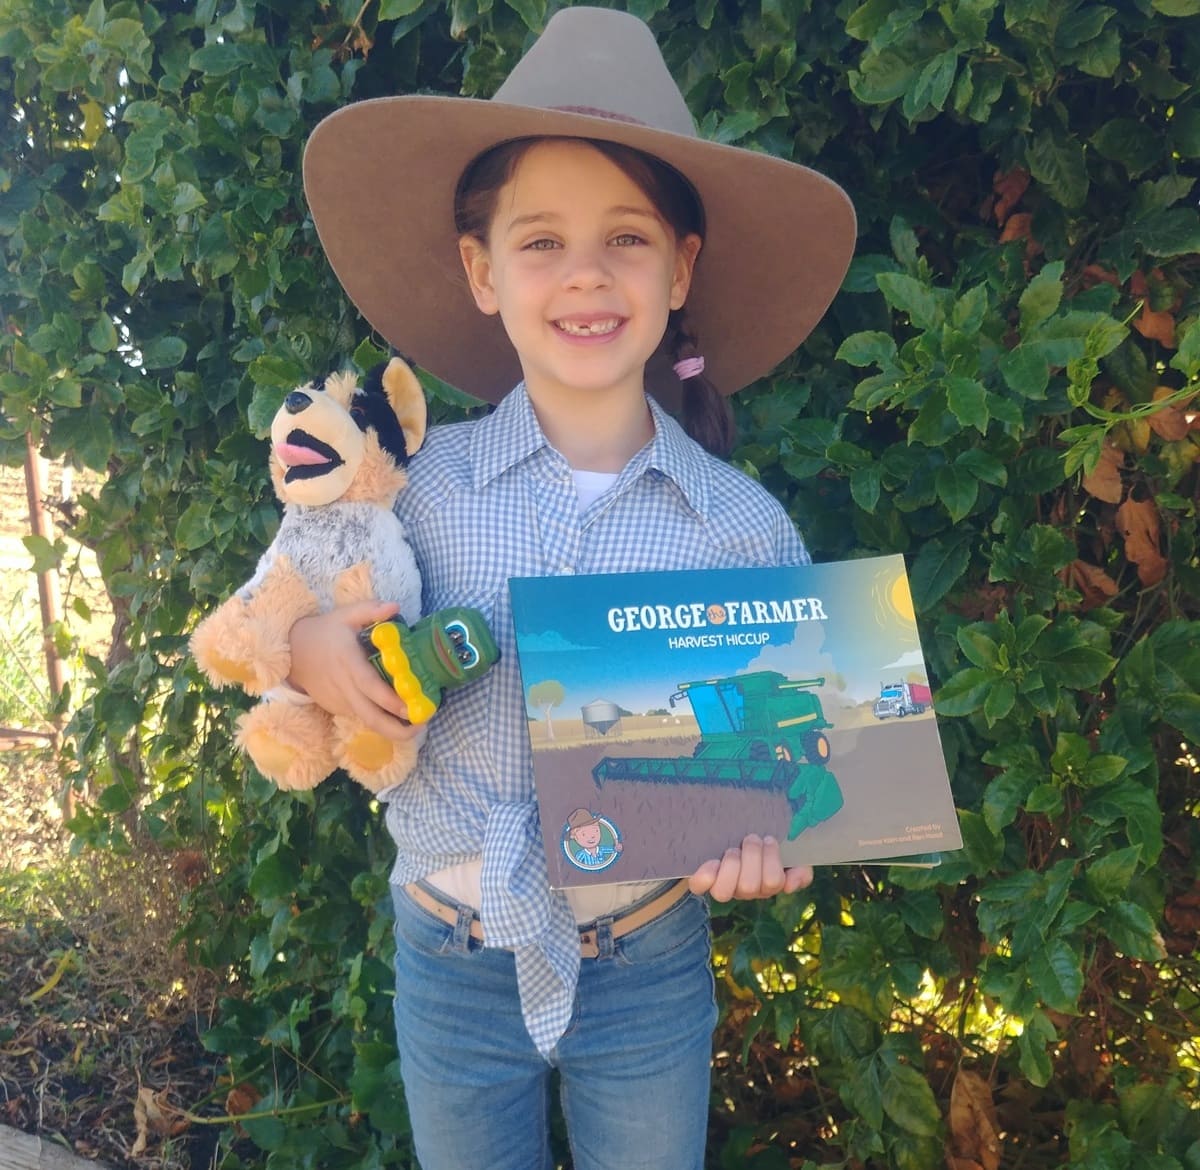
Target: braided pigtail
point(705, 412)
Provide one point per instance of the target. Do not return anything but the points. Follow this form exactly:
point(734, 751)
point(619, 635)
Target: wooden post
point(48, 595)
point(22, 1151)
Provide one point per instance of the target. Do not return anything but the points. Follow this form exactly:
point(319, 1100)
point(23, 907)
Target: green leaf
point(909, 1101)
point(1000, 701)
point(275, 876)
point(983, 465)
point(394, 9)
point(163, 353)
point(957, 489)
point(102, 336)
point(1173, 232)
point(47, 555)
point(1133, 932)
point(1182, 711)
point(967, 400)
point(1056, 975)
point(867, 349)
point(982, 847)
point(1004, 797)
point(1109, 877)
point(1057, 163)
point(980, 648)
point(908, 295)
point(1130, 142)
point(933, 84)
point(939, 566)
point(1041, 297)
point(965, 692)
point(1026, 371)
point(1187, 357)
point(195, 528)
point(1035, 1062)
point(1045, 800)
point(1176, 7)
point(865, 486)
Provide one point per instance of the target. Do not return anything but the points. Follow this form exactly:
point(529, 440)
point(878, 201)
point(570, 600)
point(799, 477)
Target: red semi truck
point(902, 698)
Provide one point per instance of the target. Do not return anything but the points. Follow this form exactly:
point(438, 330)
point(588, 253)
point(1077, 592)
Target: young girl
point(585, 215)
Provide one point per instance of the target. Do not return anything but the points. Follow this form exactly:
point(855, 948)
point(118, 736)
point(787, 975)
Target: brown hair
point(704, 412)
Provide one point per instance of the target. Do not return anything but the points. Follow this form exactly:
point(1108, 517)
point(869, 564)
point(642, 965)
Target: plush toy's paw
point(290, 745)
point(373, 760)
point(232, 648)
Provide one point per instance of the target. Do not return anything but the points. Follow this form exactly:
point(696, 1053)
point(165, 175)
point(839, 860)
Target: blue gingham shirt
point(491, 499)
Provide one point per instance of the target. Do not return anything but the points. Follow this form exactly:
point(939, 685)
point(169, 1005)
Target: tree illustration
point(547, 695)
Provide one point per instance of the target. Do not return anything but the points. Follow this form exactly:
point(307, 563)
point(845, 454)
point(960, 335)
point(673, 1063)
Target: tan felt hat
point(380, 178)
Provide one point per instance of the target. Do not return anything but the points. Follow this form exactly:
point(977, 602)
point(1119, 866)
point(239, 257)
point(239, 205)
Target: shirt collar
point(511, 434)
point(506, 437)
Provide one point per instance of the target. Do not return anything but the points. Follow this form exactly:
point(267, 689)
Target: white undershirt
point(461, 882)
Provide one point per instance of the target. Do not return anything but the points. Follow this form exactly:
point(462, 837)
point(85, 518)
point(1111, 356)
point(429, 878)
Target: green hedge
point(1001, 392)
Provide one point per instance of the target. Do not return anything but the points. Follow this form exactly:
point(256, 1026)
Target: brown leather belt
point(637, 915)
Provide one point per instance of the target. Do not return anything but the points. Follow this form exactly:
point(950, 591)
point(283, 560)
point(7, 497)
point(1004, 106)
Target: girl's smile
point(582, 270)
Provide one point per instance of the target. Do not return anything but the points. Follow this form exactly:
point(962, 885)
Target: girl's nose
point(588, 268)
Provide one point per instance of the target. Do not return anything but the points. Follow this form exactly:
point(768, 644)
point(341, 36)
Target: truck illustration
point(758, 730)
point(902, 698)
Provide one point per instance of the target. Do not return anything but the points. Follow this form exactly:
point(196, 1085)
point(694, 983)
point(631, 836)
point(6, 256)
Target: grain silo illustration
point(599, 718)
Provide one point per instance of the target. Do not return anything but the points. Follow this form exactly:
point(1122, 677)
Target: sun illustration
point(901, 598)
point(893, 598)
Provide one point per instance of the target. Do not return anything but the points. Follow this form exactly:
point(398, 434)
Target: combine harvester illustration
point(760, 730)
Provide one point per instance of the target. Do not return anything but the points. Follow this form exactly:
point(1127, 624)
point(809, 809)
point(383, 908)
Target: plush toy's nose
point(297, 401)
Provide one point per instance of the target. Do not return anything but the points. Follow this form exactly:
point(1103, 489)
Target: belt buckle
point(589, 946)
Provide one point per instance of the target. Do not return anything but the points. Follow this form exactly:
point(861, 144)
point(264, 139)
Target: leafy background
point(1002, 392)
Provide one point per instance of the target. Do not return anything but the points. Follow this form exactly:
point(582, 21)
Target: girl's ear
point(686, 251)
point(478, 267)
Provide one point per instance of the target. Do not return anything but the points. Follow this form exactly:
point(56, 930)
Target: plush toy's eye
point(456, 635)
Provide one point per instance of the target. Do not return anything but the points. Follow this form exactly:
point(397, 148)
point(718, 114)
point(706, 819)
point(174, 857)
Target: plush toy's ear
point(407, 400)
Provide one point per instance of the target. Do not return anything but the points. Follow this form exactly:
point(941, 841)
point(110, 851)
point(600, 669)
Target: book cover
point(672, 713)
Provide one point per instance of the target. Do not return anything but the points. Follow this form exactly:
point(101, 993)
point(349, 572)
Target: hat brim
point(380, 178)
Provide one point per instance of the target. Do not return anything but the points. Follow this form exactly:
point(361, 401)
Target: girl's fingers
point(772, 879)
point(755, 870)
point(749, 879)
point(797, 878)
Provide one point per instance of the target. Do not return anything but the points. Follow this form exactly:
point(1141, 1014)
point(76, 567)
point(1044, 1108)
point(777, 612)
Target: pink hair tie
point(687, 368)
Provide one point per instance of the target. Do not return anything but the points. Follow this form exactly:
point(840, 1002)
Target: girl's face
point(581, 268)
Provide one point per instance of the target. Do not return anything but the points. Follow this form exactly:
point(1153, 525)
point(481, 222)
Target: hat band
point(592, 112)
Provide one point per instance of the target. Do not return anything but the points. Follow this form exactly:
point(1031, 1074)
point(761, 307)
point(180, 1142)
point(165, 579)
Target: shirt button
point(566, 571)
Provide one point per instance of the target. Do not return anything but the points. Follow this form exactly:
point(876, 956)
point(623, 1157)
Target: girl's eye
point(627, 240)
point(542, 245)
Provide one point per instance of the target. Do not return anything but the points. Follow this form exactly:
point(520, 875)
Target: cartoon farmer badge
point(590, 842)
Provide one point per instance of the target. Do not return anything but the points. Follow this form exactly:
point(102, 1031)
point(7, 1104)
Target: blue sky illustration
point(563, 631)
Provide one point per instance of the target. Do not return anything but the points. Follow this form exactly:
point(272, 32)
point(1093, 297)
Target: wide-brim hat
point(380, 177)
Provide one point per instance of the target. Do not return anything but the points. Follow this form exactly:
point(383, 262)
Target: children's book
point(670, 714)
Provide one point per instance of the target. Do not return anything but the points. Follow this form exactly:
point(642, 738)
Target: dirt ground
point(100, 1013)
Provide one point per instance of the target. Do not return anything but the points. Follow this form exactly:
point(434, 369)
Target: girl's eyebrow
point(534, 217)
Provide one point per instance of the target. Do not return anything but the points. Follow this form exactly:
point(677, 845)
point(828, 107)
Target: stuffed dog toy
point(338, 455)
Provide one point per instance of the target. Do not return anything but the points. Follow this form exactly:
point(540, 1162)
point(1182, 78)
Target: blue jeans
point(634, 1063)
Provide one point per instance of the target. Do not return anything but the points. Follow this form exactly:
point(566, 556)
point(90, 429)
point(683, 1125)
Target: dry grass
point(100, 1012)
point(100, 1003)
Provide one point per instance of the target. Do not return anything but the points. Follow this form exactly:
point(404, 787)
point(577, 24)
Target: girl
point(585, 214)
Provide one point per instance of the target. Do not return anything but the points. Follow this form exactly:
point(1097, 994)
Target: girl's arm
point(331, 667)
point(752, 871)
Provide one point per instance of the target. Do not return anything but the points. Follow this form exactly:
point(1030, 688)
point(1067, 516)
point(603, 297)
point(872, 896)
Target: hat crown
point(601, 62)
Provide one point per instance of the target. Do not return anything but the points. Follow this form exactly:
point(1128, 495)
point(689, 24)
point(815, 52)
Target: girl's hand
point(752, 871)
point(330, 665)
